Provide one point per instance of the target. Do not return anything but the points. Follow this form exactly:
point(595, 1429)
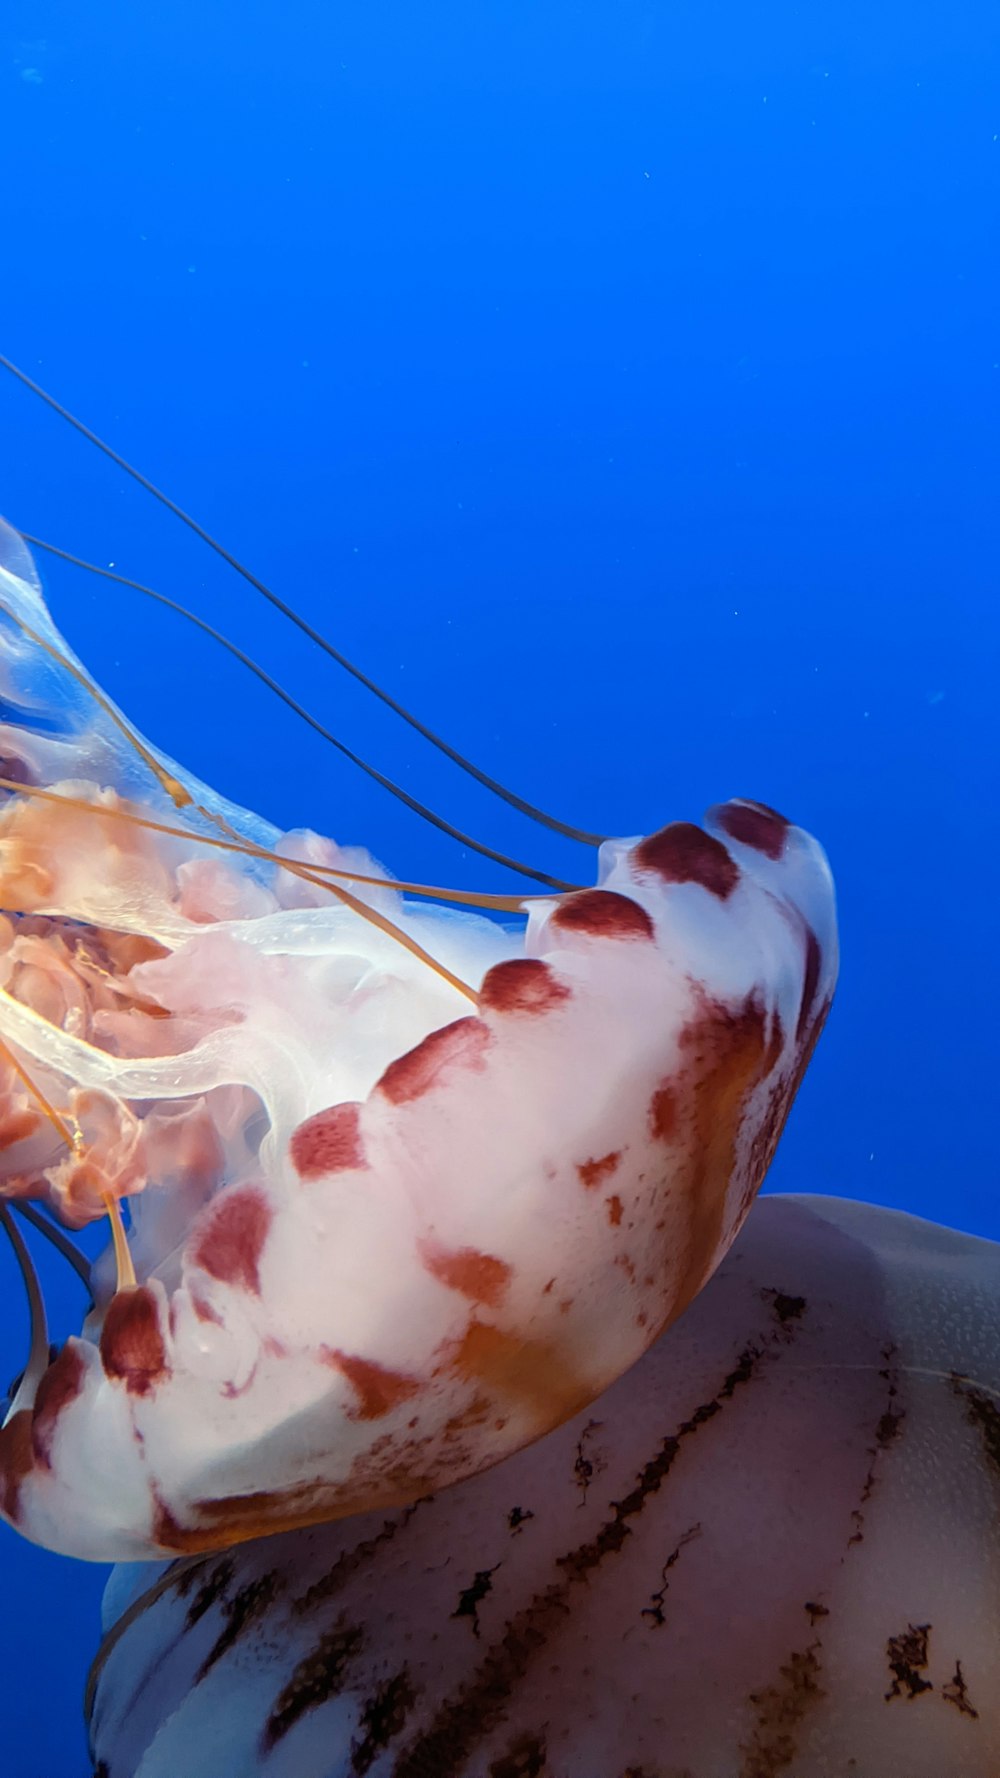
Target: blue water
point(619, 385)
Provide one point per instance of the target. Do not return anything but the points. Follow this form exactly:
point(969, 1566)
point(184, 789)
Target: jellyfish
point(407, 1189)
point(447, 1403)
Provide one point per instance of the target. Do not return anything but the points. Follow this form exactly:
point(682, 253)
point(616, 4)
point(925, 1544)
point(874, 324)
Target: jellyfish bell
point(407, 1187)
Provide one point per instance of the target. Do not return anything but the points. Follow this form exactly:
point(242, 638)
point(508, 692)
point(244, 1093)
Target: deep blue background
point(619, 384)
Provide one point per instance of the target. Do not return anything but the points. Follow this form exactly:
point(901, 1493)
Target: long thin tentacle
point(57, 1238)
point(308, 629)
point(387, 783)
point(38, 1354)
point(325, 873)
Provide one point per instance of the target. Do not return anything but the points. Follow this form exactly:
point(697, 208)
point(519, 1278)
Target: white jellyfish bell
point(378, 1246)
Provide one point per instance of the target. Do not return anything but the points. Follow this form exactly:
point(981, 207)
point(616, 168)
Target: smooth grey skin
point(771, 1550)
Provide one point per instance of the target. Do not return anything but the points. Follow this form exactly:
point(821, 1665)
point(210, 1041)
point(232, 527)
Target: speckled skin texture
point(772, 1548)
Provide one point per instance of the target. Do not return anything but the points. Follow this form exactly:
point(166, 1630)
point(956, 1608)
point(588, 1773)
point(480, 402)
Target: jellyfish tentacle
point(266, 678)
point(318, 873)
point(57, 1238)
point(38, 1352)
point(428, 734)
point(72, 1136)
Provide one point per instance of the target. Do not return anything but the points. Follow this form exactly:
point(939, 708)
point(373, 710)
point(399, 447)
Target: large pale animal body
point(772, 1550)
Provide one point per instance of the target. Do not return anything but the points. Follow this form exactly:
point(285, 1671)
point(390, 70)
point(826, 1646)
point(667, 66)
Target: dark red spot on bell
point(378, 1390)
point(594, 1173)
point(230, 1240)
point(481, 1277)
point(203, 1310)
point(614, 1210)
point(524, 985)
point(663, 1114)
point(754, 824)
point(683, 853)
point(168, 1534)
point(810, 982)
point(17, 1460)
point(60, 1385)
point(459, 1045)
point(604, 914)
point(132, 1349)
point(330, 1142)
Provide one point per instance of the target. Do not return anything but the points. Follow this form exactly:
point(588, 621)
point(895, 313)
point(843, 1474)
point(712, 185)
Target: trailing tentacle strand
point(295, 617)
point(38, 1351)
point(396, 790)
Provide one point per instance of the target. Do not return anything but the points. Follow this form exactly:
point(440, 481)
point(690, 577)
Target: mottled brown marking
point(330, 1142)
point(481, 1277)
point(132, 1346)
point(212, 1589)
point(656, 1609)
point(522, 985)
point(524, 1758)
point(378, 1390)
point(182, 1576)
point(229, 1238)
point(908, 1657)
point(534, 1373)
point(249, 1604)
point(60, 1385)
point(318, 1677)
point(518, 1517)
point(664, 1114)
point(383, 1717)
point(584, 1465)
point(785, 1307)
point(755, 825)
point(471, 1597)
point(614, 1207)
point(683, 853)
point(603, 913)
point(462, 1722)
point(957, 1692)
point(594, 1172)
point(349, 1563)
point(886, 1431)
point(781, 1710)
point(983, 1413)
point(462, 1044)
